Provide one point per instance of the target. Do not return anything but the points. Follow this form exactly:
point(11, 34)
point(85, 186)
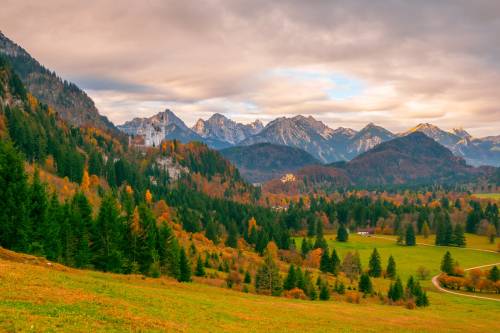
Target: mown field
point(495, 196)
point(38, 297)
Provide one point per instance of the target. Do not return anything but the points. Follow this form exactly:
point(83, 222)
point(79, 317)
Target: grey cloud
point(421, 60)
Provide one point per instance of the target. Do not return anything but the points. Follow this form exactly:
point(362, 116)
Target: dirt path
point(435, 281)
point(436, 284)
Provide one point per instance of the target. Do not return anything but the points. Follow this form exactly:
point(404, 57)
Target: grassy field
point(37, 297)
point(408, 259)
point(494, 196)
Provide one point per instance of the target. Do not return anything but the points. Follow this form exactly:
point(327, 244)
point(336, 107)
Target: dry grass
point(35, 296)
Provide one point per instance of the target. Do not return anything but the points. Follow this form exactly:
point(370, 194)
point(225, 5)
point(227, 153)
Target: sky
point(394, 63)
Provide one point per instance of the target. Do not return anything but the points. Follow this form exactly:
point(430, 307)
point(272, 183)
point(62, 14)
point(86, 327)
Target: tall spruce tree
point(291, 279)
point(459, 235)
point(324, 263)
point(391, 268)
point(447, 264)
point(342, 234)
point(375, 265)
point(106, 237)
point(184, 267)
point(365, 284)
point(410, 239)
point(267, 279)
point(334, 263)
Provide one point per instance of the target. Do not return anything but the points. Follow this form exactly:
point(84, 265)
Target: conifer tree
point(494, 274)
point(184, 267)
point(342, 234)
point(267, 279)
point(14, 227)
point(291, 279)
point(459, 235)
point(232, 235)
point(365, 284)
point(248, 277)
point(51, 237)
point(106, 236)
point(211, 231)
point(37, 214)
point(324, 263)
point(305, 248)
point(410, 235)
point(375, 265)
point(334, 263)
point(324, 291)
point(447, 264)
point(391, 268)
point(396, 290)
point(200, 269)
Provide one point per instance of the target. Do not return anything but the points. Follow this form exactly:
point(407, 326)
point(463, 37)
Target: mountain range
point(413, 159)
point(325, 144)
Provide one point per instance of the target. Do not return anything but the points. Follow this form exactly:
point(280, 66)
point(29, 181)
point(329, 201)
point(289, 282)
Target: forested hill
point(129, 228)
point(66, 98)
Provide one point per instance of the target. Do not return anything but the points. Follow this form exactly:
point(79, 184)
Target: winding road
point(435, 281)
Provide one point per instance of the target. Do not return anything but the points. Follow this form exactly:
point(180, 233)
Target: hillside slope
point(72, 103)
point(56, 298)
point(264, 161)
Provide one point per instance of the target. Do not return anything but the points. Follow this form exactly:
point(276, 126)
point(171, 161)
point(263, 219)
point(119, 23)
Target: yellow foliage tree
point(85, 181)
point(252, 223)
point(149, 197)
point(136, 224)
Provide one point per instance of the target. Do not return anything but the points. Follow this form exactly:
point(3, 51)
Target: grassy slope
point(494, 196)
point(37, 297)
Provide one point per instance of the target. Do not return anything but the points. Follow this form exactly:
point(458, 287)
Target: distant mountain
point(474, 150)
point(364, 140)
point(222, 129)
point(414, 158)
point(409, 160)
point(162, 126)
point(69, 101)
point(301, 132)
point(264, 161)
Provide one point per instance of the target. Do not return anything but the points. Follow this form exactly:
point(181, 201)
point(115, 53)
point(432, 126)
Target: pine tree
point(375, 265)
point(248, 277)
point(200, 269)
point(396, 290)
point(324, 291)
point(447, 264)
point(14, 227)
point(342, 234)
point(184, 267)
point(105, 238)
point(37, 214)
point(267, 279)
point(459, 235)
point(365, 284)
point(494, 274)
point(334, 263)
point(211, 231)
point(410, 235)
point(391, 268)
point(305, 248)
point(51, 236)
point(325, 264)
point(291, 279)
point(232, 235)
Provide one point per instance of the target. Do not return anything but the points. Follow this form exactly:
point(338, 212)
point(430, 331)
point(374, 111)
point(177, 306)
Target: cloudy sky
point(394, 63)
